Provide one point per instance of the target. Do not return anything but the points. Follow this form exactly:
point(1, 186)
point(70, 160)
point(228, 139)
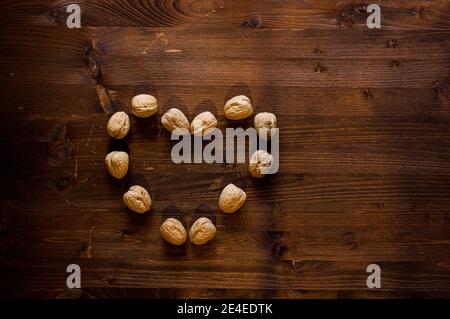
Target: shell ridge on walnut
point(173, 231)
point(118, 125)
point(137, 199)
point(117, 163)
point(232, 198)
point(264, 123)
point(238, 108)
point(203, 122)
point(175, 119)
point(259, 162)
point(144, 105)
point(202, 231)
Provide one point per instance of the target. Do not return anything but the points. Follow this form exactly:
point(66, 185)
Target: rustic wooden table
point(365, 150)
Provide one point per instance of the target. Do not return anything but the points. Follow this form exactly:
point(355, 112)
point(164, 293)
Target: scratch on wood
point(158, 36)
point(60, 148)
point(173, 51)
point(108, 279)
point(241, 34)
point(90, 247)
point(130, 239)
point(90, 135)
point(75, 174)
point(216, 184)
point(61, 240)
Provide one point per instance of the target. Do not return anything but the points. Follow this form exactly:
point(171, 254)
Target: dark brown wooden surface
point(365, 148)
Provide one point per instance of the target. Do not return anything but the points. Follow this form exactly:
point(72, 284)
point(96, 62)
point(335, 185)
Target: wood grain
point(291, 14)
point(364, 156)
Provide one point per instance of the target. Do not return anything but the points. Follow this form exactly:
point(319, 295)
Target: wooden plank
point(306, 242)
point(220, 43)
point(61, 101)
point(312, 142)
point(413, 15)
point(176, 293)
point(308, 275)
point(300, 73)
point(363, 191)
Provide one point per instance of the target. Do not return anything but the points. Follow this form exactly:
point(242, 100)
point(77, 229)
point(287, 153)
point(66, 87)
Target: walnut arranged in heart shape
point(232, 198)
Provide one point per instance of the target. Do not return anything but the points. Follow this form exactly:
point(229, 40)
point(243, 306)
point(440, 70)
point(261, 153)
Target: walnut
point(175, 119)
point(144, 105)
point(264, 122)
point(137, 199)
point(117, 164)
point(202, 231)
point(203, 122)
point(259, 162)
point(173, 231)
point(231, 199)
point(238, 108)
point(118, 125)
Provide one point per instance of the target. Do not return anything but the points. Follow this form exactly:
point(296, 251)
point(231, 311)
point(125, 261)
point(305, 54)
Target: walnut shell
point(202, 231)
point(175, 119)
point(117, 164)
point(137, 199)
point(144, 105)
point(264, 122)
point(231, 199)
point(203, 122)
point(238, 108)
point(173, 231)
point(259, 162)
point(118, 125)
